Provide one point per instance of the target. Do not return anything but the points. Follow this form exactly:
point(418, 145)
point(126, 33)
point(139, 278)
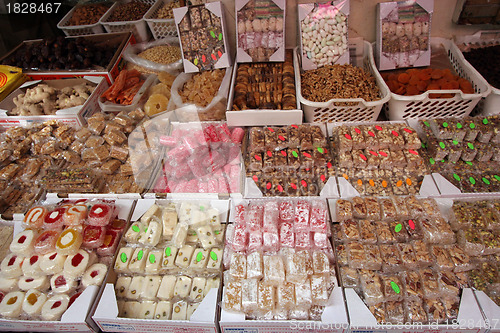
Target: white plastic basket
point(139, 27)
point(160, 28)
point(460, 105)
point(489, 105)
point(79, 30)
point(358, 110)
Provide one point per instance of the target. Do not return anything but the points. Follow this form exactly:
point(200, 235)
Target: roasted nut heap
point(265, 86)
point(131, 11)
point(166, 12)
point(162, 54)
point(87, 14)
point(338, 81)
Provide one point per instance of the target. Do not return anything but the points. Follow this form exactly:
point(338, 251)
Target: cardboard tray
point(262, 117)
point(74, 116)
point(203, 320)
point(118, 41)
point(77, 317)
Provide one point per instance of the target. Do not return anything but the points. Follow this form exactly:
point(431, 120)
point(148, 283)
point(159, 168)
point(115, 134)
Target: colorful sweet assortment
point(477, 225)
point(289, 161)
point(379, 159)
point(63, 249)
point(260, 29)
point(466, 151)
point(171, 261)
point(201, 158)
point(201, 37)
point(403, 34)
point(278, 260)
point(402, 257)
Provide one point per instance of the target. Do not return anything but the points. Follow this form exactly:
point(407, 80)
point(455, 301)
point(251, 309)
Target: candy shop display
point(323, 34)
point(289, 161)
point(465, 151)
point(278, 260)
point(265, 86)
point(477, 225)
point(403, 32)
point(380, 158)
point(202, 35)
point(55, 258)
point(417, 81)
point(402, 257)
point(172, 259)
point(260, 28)
point(201, 158)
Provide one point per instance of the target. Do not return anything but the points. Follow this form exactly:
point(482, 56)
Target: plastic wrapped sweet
point(33, 302)
point(54, 307)
point(11, 305)
point(23, 242)
point(372, 287)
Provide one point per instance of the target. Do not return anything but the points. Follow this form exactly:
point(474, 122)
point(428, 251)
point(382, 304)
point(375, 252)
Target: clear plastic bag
point(131, 55)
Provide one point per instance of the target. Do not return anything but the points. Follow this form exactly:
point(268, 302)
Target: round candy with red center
point(100, 214)
point(54, 219)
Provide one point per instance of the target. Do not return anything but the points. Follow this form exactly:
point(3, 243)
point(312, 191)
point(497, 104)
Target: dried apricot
point(412, 90)
point(403, 78)
point(436, 74)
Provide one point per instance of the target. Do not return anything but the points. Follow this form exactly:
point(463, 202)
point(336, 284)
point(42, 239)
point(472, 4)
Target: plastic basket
point(358, 109)
point(489, 105)
point(79, 30)
point(460, 105)
point(139, 28)
point(160, 28)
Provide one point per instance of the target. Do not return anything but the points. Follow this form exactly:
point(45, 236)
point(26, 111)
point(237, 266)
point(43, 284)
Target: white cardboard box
point(262, 117)
point(469, 318)
point(224, 59)
point(333, 320)
point(490, 310)
point(205, 317)
point(74, 116)
point(77, 317)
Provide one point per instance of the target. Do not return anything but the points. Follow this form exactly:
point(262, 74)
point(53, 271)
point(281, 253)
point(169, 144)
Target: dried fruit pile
point(417, 81)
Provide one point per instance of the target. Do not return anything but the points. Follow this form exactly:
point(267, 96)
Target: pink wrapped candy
point(239, 214)
point(319, 216)
point(302, 210)
point(320, 240)
point(302, 240)
point(100, 214)
point(168, 141)
point(271, 217)
point(271, 242)
point(224, 133)
point(287, 211)
point(254, 217)
point(287, 237)
point(237, 134)
point(240, 240)
point(255, 241)
point(46, 241)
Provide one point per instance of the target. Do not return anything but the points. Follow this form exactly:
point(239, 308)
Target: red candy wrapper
point(54, 219)
point(302, 210)
point(240, 240)
point(224, 133)
point(93, 236)
point(110, 243)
